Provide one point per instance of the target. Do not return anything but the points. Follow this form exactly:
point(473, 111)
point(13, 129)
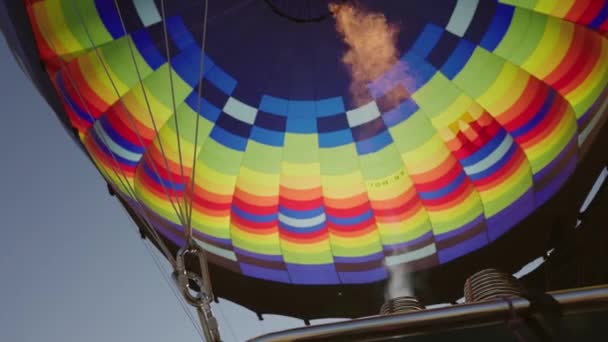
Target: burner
point(401, 305)
point(490, 284)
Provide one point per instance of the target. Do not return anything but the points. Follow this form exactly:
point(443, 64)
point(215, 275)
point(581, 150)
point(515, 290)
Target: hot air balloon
point(254, 132)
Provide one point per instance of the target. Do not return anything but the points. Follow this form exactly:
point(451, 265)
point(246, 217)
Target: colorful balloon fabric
point(292, 182)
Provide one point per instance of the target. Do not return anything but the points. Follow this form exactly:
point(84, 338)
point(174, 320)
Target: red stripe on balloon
point(582, 66)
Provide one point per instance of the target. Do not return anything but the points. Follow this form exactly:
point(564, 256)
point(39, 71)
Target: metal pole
point(447, 317)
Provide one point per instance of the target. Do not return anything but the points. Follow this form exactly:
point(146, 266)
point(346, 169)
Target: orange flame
point(372, 49)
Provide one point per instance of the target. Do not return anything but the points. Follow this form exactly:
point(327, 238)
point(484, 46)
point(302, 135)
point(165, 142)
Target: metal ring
point(184, 276)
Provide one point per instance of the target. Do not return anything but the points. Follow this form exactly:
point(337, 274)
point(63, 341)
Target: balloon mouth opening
point(304, 11)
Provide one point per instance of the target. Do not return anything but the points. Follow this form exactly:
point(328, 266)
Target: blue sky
point(72, 266)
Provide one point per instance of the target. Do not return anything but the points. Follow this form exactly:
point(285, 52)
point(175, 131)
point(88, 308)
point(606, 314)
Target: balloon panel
point(292, 180)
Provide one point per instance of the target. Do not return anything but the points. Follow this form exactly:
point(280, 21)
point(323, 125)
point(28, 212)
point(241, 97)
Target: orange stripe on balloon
point(345, 203)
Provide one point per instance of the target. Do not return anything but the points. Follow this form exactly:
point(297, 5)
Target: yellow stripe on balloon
point(343, 187)
point(95, 76)
point(399, 232)
point(258, 183)
point(157, 203)
point(545, 151)
point(54, 28)
point(214, 181)
point(306, 253)
point(427, 156)
point(390, 186)
point(543, 59)
point(498, 198)
point(583, 96)
point(512, 81)
point(558, 51)
point(560, 7)
point(449, 219)
point(258, 243)
point(452, 112)
point(216, 226)
point(356, 246)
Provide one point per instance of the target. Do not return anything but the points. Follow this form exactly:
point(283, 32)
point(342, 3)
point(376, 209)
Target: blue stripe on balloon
point(253, 217)
point(179, 33)
point(301, 230)
point(84, 115)
point(312, 274)
point(250, 270)
point(207, 110)
point(498, 27)
point(301, 214)
point(301, 108)
point(600, 18)
point(497, 166)
point(420, 72)
point(109, 16)
point(301, 124)
point(335, 139)
point(159, 180)
point(432, 195)
point(374, 144)
point(147, 49)
point(274, 105)
point(117, 138)
point(485, 150)
point(364, 277)
point(427, 40)
point(267, 137)
point(106, 150)
point(462, 248)
point(351, 220)
point(330, 106)
point(396, 116)
point(218, 77)
point(538, 117)
point(228, 139)
point(187, 66)
point(458, 59)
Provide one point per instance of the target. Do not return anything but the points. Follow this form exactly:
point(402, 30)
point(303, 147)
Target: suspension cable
point(121, 101)
point(170, 284)
point(171, 87)
point(152, 231)
point(131, 120)
point(177, 210)
point(202, 302)
point(188, 228)
point(115, 165)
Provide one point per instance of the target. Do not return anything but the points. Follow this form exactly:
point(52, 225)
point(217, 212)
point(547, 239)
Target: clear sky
point(72, 267)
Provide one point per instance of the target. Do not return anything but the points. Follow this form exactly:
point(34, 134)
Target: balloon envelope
point(297, 185)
